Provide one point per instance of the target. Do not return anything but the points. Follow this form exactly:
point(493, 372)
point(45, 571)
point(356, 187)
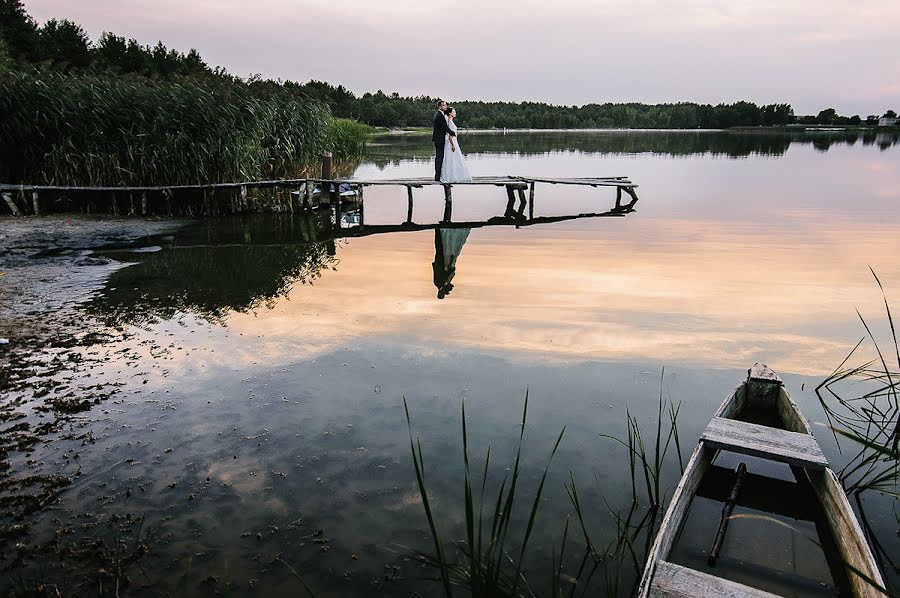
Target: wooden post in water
point(36, 203)
point(618, 197)
point(510, 199)
point(115, 206)
point(325, 188)
point(362, 206)
point(308, 194)
point(409, 203)
point(145, 205)
point(8, 198)
point(531, 200)
point(522, 202)
point(448, 193)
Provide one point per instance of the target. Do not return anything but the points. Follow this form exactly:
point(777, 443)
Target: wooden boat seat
point(674, 581)
point(762, 441)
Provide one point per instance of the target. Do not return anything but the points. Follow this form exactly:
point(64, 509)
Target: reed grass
point(483, 565)
point(86, 129)
point(861, 399)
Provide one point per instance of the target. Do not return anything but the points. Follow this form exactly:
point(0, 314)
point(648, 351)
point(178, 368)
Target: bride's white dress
point(454, 169)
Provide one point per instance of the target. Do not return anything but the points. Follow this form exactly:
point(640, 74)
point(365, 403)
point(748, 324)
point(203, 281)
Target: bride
point(454, 169)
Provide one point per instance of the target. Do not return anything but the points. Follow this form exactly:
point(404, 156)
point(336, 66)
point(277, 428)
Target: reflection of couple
point(449, 162)
point(448, 243)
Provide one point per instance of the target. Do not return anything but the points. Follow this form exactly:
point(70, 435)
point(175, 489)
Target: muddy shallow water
point(192, 406)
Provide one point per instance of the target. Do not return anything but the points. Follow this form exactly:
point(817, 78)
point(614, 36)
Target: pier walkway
point(225, 198)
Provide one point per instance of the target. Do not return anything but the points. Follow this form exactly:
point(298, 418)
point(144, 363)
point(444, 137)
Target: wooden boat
point(791, 443)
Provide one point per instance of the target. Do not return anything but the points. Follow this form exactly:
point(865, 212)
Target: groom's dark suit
point(438, 131)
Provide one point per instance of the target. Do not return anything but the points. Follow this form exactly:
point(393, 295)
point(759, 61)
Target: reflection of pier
point(349, 221)
point(268, 196)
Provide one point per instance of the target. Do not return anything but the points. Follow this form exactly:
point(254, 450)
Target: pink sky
point(812, 54)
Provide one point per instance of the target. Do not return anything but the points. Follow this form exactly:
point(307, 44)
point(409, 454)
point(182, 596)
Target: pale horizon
point(812, 55)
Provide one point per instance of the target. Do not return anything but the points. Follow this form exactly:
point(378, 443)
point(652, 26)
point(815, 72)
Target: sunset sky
point(812, 54)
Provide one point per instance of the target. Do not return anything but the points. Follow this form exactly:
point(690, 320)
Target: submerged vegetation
point(491, 560)
point(118, 113)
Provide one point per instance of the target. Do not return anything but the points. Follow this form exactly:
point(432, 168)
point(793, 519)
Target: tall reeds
point(483, 565)
point(862, 404)
point(84, 129)
point(861, 399)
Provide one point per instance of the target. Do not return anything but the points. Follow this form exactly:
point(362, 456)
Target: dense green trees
point(60, 43)
point(380, 109)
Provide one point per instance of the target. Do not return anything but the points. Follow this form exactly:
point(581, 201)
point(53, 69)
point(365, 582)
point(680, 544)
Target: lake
point(229, 414)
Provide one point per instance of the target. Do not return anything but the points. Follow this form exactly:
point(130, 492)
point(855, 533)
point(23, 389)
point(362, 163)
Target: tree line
point(393, 110)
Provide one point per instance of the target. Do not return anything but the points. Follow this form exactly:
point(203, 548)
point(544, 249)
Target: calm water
point(259, 411)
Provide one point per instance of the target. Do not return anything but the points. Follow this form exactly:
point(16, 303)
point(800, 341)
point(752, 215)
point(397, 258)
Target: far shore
point(760, 129)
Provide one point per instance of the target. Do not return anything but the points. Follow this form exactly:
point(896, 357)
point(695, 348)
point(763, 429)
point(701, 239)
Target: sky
point(812, 54)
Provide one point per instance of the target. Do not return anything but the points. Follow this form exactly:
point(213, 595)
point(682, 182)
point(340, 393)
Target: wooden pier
point(283, 195)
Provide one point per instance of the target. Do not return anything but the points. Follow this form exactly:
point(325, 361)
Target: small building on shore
point(888, 121)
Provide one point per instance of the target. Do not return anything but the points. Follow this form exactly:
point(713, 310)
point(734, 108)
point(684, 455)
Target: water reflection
point(391, 149)
point(214, 267)
point(448, 243)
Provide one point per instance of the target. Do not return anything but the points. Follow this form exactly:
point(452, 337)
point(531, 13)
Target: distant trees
point(826, 117)
point(63, 44)
point(393, 110)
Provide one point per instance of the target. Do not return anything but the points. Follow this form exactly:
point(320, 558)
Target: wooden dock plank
point(675, 581)
point(517, 181)
point(763, 441)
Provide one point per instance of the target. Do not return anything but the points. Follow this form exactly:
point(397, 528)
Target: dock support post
point(448, 203)
point(243, 201)
point(531, 200)
point(144, 203)
point(36, 203)
point(115, 206)
point(510, 199)
point(409, 204)
point(522, 203)
point(326, 189)
point(8, 198)
point(362, 207)
point(618, 197)
point(308, 189)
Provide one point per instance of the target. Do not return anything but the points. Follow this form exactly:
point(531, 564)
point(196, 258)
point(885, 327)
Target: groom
point(438, 131)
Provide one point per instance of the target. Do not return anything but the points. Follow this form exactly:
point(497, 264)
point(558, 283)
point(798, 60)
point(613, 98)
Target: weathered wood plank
point(763, 441)
point(8, 198)
point(517, 181)
point(847, 533)
point(675, 581)
point(675, 515)
point(790, 414)
point(763, 373)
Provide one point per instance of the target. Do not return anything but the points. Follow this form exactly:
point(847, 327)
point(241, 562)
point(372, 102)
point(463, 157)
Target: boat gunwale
point(854, 549)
